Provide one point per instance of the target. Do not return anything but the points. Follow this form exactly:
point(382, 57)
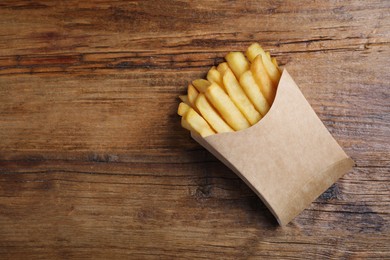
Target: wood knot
point(332, 193)
point(203, 192)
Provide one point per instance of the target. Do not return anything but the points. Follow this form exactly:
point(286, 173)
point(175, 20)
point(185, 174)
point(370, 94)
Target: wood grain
point(94, 163)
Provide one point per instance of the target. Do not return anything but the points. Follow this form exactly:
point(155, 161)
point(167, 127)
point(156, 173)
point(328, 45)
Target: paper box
point(288, 158)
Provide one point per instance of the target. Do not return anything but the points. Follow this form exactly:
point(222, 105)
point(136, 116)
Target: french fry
point(183, 109)
point(225, 106)
point(252, 90)
point(222, 67)
point(272, 71)
point(268, 55)
point(237, 63)
point(214, 76)
point(211, 116)
point(275, 62)
point(184, 98)
point(201, 85)
point(239, 97)
point(186, 125)
point(253, 51)
point(192, 94)
point(262, 79)
point(197, 123)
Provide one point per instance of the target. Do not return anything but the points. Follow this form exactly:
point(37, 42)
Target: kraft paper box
point(288, 158)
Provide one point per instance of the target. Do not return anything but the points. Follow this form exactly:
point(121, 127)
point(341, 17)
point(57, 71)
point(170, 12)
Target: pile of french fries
point(235, 96)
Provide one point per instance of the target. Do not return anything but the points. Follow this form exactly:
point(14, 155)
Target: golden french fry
point(225, 106)
point(237, 63)
point(253, 51)
point(222, 67)
point(268, 55)
point(262, 79)
point(197, 123)
point(252, 90)
point(186, 125)
point(211, 116)
point(201, 85)
point(275, 62)
point(184, 98)
point(272, 71)
point(214, 76)
point(192, 94)
point(239, 98)
point(182, 109)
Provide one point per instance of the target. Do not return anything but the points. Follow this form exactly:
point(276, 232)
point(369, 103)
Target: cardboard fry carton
point(288, 158)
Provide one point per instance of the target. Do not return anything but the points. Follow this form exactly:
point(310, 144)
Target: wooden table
point(94, 162)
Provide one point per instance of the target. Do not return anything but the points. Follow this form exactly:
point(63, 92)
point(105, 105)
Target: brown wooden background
point(94, 163)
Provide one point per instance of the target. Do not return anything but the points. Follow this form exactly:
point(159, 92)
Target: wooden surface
point(94, 163)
